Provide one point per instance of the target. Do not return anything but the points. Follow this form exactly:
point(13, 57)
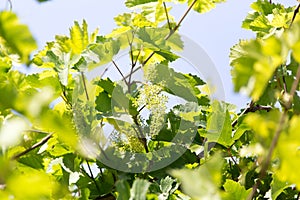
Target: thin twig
point(295, 14)
point(36, 145)
point(295, 83)
point(120, 72)
point(84, 85)
point(251, 108)
point(103, 73)
point(10, 5)
point(167, 15)
point(234, 161)
point(284, 84)
point(136, 59)
point(182, 18)
point(92, 176)
point(132, 62)
point(246, 110)
point(130, 46)
point(144, 106)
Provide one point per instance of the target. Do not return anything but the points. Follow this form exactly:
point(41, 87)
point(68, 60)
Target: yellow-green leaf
point(16, 35)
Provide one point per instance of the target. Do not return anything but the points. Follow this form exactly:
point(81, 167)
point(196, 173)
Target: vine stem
point(283, 118)
point(36, 145)
point(267, 161)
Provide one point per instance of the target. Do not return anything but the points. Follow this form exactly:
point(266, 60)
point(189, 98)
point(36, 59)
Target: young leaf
point(203, 6)
point(268, 18)
point(234, 191)
point(79, 37)
point(254, 62)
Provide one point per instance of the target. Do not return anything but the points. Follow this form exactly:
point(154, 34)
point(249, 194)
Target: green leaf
point(133, 3)
point(263, 124)
point(123, 190)
point(292, 39)
point(166, 186)
point(35, 161)
point(203, 6)
point(254, 63)
point(176, 83)
point(234, 191)
point(17, 36)
point(103, 102)
point(85, 193)
point(289, 153)
point(154, 40)
point(105, 50)
point(104, 98)
point(218, 128)
point(139, 189)
point(267, 18)
point(79, 37)
point(25, 179)
point(202, 182)
point(277, 187)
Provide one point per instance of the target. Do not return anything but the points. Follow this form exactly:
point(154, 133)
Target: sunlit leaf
point(210, 176)
point(234, 191)
point(79, 37)
point(263, 124)
point(289, 143)
point(268, 18)
point(254, 63)
point(203, 6)
point(17, 36)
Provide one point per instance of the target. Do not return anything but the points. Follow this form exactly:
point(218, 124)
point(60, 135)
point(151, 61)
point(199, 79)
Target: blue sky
point(215, 31)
